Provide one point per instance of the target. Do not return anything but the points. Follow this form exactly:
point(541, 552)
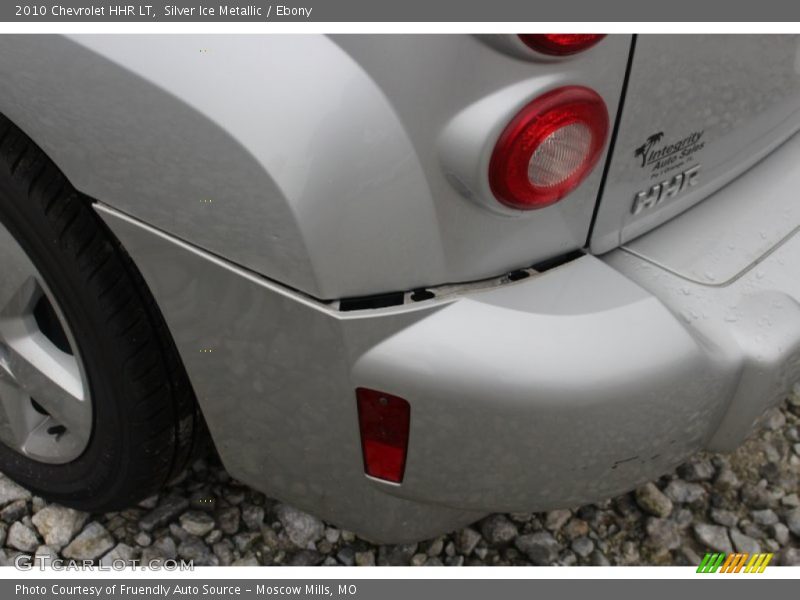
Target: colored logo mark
point(734, 563)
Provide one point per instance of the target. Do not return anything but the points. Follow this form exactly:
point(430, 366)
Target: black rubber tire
point(146, 424)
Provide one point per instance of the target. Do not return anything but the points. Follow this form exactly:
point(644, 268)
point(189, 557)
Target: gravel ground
point(747, 501)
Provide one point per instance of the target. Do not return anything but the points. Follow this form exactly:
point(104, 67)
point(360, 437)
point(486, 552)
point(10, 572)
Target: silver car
point(402, 281)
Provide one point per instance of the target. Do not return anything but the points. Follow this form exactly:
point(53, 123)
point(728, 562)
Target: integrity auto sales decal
point(659, 155)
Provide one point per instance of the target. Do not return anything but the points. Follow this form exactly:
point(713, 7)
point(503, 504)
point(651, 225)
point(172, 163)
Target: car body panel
point(728, 232)
point(719, 103)
point(298, 157)
point(566, 387)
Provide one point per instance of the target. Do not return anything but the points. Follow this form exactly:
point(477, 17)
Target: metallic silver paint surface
point(271, 371)
point(741, 91)
point(754, 322)
point(296, 156)
point(725, 234)
point(563, 388)
point(359, 177)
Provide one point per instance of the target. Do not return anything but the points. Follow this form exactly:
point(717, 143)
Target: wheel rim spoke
point(52, 378)
point(45, 409)
point(16, 420)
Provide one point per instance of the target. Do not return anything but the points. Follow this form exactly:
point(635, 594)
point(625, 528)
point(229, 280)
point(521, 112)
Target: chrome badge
point(669, 188)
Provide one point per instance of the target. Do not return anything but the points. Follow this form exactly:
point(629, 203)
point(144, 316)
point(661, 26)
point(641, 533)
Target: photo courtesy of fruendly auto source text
point(370, 300)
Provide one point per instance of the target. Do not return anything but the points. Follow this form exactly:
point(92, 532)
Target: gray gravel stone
point(774, 419)
point(168, 509)
point(582, 546)
point(541, 548)
point(245, 540)
point(793, 521)
point(556, 519)
point(663, 534)
point(365, 559)
point(45, 555)
point(14, 511)
point(302, 528)
point(756, 496)
point(396, 555)
point(764, 517)
point(150, 502)
point(653, 501)
point(698, 469)
point(228, 519)
point(751, 529)
point(346, 556)
point(119, 554)
point(223, 550)
point(498, 530)
point(213, 537)
point(727, 480)
point(178, 532)
point(197, 523)
point(10, 491)
point(91, 543)
point(435, 547)
point(724, 517)
point(162, 549)
point(253, 517)
point(684, 492)
point(195, 550)
point(22, 538)
point(332, 534)
point(789, 557)
point(58, 524)
point(744, 543)
point(37, 504)
point(780, 533)
point(713, 537)
point(466, 541)
point(575, 528)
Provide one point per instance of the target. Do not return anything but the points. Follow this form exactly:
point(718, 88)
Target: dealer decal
point(659, 156)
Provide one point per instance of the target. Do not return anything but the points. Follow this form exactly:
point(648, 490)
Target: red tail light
point(561, 44)
point(548, 148)
point(384, 422)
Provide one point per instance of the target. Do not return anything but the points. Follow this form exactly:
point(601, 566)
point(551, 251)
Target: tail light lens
point(384, 422)
point(548, 148)
point(560, 44)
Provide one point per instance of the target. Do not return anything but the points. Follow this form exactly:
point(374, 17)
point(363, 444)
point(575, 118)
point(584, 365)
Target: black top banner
point(406, 10)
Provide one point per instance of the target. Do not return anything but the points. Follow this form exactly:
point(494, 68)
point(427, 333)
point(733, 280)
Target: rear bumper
point(566, 387)
point(588, 380)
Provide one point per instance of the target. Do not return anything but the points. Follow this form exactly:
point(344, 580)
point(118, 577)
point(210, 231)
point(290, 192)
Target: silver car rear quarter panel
point(566, 387)
point(300, 156)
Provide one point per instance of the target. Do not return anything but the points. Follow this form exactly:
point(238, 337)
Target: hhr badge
point(670, 188)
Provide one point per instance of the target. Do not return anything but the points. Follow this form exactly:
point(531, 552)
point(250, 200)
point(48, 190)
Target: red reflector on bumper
point(383, 420)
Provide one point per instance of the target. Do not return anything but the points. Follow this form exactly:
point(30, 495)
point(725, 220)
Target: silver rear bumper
point(567, 387)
